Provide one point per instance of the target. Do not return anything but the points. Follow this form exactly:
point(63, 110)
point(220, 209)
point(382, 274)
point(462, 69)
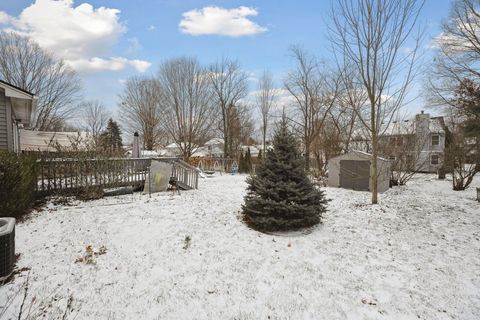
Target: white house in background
point(146, 154)
point(173, 150)
point(212, 148)
point(424, 135)
point(45, 141)
point(254, 150)
point(16, 108)
point(423, 132)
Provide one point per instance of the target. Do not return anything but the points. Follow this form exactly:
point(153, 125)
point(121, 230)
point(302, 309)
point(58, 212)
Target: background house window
point(435, 140)
point(434, 159)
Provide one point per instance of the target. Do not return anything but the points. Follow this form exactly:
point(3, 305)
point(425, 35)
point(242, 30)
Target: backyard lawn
point(189, 256)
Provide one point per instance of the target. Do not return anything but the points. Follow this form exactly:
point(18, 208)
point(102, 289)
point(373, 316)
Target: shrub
point(17, 184)
point(90, 193)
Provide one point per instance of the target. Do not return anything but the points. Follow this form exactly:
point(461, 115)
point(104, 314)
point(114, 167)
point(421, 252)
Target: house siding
point(3, 122)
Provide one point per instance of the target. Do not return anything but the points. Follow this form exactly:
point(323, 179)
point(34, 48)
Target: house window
point(434, 159)
point(435, 140)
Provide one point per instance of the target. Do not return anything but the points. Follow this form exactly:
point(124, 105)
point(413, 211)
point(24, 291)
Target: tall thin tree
point(265, 99)
point(370, 36)
point(229, 84)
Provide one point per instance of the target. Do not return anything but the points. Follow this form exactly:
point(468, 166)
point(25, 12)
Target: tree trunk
point(264, 137)
point(374, 169)
point(307, 155)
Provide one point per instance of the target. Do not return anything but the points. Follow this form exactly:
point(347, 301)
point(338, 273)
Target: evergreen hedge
point(17, 184)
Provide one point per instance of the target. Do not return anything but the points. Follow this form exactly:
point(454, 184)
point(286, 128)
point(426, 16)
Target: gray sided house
point(353, 171)
point(16, 108)
point(421, 140)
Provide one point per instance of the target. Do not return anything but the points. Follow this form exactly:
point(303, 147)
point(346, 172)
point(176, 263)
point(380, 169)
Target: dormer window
point(435, 140)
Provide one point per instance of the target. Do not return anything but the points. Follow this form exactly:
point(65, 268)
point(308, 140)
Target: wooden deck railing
point(57, 175)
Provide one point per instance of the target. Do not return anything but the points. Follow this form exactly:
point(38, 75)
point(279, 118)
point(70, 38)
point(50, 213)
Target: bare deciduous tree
point(140, 109)
point(462, 152)
point(187, 101)
point(24, 64)
point(458, 53)
point(241, 127)
point(229, 84)
point(370, 35)
point(265, 100)
point(94, 118)
point(314, 92)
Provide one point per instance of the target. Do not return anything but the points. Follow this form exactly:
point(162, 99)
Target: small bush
point(17, 184)
point(90, 193)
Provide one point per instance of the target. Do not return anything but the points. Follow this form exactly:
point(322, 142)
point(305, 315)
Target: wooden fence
point(67, 175)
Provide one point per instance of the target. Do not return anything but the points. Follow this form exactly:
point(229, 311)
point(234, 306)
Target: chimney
point(422, 122)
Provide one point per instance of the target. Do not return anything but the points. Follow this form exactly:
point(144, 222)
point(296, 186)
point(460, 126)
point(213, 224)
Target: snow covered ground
point(414, 256)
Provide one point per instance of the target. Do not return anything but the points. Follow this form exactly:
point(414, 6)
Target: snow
point(414, 256)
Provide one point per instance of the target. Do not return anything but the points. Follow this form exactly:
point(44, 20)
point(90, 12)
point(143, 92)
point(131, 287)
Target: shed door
point(355, 174)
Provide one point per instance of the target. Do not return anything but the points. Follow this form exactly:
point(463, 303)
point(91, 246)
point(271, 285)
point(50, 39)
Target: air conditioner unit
point(7, 247)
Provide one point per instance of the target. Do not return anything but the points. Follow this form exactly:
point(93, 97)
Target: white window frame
point(431, 159)
point(438, 140)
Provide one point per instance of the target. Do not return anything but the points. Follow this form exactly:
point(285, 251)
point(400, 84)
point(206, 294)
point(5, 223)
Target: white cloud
point(79, 34)
point(151, 28)
point(140, 65)
point(111, 64)
point(4, 17)
point(220, 21)
point(134, 45)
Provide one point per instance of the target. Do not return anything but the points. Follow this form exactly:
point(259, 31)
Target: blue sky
point(127, 38)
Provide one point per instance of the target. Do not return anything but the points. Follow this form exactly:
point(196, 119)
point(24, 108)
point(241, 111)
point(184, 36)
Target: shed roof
point(359, 153)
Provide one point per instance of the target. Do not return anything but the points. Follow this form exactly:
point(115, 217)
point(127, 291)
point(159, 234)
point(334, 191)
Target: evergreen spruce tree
point(111, 138)
point(248, 161)
point(280, 196)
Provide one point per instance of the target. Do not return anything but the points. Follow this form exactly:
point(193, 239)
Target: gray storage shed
point(352, 171)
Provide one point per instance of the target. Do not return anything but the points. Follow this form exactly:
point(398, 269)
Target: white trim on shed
point(335, 171)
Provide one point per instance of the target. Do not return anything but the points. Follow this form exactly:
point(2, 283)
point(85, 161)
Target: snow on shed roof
point(361, 153)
